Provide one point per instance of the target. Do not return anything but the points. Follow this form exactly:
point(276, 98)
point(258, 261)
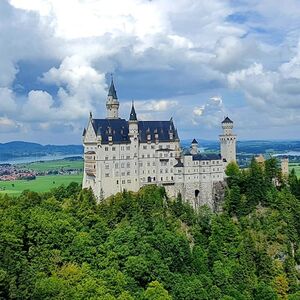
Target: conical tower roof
point(112, 91)
point(132, 116)
point(227, 120)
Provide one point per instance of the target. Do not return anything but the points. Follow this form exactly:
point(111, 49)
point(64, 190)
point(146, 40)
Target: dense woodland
point(62, 245)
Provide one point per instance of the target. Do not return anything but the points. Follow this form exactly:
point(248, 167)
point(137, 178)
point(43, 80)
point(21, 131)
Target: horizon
point(181, 140)
point(195, 65)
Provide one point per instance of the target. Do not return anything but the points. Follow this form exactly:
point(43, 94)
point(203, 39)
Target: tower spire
point(132, 116)
point(112, 103)
point(112, 91)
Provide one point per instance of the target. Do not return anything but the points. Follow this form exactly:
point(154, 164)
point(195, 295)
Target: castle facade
point(124, 154)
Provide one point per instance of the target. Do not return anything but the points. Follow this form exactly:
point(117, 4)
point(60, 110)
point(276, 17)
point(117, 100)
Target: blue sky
point(195, 61)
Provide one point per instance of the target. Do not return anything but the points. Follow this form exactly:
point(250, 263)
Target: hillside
point(62, 245)
point(23, 149)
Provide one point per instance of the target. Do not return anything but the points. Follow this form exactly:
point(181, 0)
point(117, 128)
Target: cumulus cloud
point(7, 101)
point(210, 113)
point(162, 52)
point(8, 125)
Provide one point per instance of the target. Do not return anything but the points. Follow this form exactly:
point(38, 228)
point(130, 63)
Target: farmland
point(40, 184)
point(295, 166)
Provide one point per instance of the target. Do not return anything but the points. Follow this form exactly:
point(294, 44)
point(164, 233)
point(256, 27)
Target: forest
point(62, 244)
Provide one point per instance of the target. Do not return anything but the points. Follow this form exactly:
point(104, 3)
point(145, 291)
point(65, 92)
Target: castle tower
point(228, 142)
point(285, 166)
point(133, 122)
point(112, 103)
point(194, 147)
point(134, 142)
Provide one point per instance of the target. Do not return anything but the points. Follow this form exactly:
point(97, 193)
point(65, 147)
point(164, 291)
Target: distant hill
point(17, 149)
point(251, 147)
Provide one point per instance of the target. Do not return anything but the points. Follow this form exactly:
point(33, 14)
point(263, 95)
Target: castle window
point(116, 165)
point(161, 178)
point(127, 148)
point(106, 174)
point(153, 178)
point(152, 147)
point(166, 170)
point(128, 181)
point(113, 148)
point(172, 178)
point(148, 164)
point(114, 157)
point(122, 148)
point(123, 181)
point(106, 167)
point(143, 156)
point(106, 148)
point(160, 170)
point(122, 165)
point(135, 155)
point(128, 165)
point(117, 181)
point(128, 173)
point(144, 147)
point(171, 154)
point(128, 157)
point(106, 157)
point(148, 155)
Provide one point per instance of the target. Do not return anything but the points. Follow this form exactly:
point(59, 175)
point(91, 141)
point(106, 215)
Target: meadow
point(40, 184)
point(52, 165)
point(295, 166)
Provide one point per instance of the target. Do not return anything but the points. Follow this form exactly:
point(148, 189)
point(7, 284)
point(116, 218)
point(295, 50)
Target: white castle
point(126, 155)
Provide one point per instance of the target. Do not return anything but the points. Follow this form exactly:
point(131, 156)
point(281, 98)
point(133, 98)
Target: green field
point(295, 166)
point(40, 184)
point(62, 164)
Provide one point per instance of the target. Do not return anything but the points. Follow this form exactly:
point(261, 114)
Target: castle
point(126, 155)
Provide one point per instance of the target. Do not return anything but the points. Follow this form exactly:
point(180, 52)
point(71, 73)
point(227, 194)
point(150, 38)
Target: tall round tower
point(112, 103)
point(228, 142)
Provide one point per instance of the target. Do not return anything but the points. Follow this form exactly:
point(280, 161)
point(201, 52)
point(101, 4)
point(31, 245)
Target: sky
point(195, 61)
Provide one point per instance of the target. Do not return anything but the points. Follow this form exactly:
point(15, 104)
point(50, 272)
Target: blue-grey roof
point(227, 120)
point(194, 141)
point(132, 116)
point(207, 156)
point(119, 129)
point(112, 91)
point(179, 164)
point(160, 128)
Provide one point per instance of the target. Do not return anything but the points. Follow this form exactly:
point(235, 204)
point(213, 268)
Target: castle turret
point(228, 142)
point(112, 103)
point(133, 122)
point(194, 147)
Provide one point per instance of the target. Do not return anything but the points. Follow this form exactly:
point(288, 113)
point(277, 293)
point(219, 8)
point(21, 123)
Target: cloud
point(7, 101)
point(209, 114)
point(166, 54)
point(8, 125)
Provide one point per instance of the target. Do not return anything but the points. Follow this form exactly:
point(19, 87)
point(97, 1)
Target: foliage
point(64, 245)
